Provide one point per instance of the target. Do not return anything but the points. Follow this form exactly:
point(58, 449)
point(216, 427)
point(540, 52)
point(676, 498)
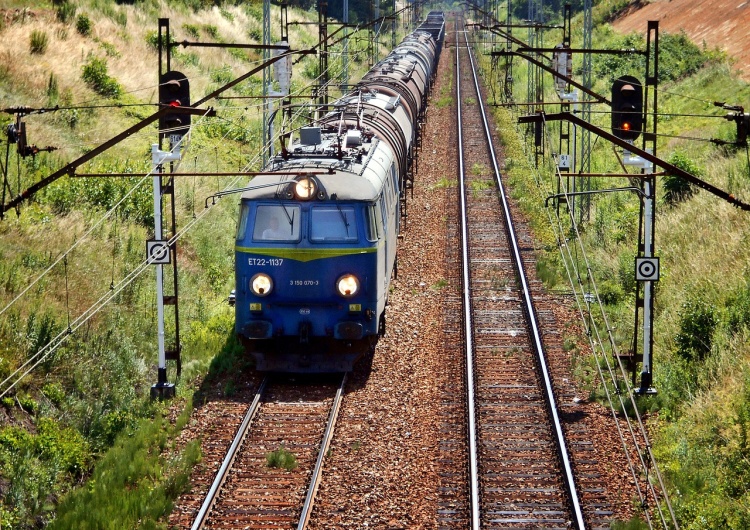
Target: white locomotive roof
point(354, 177)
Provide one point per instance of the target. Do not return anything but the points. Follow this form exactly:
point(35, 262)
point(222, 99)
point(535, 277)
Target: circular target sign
point(647, 269)
point(157, 252)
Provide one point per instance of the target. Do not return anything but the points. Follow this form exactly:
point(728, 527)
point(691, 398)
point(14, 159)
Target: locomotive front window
point(372, 223)
point(242, 223)
point(333, 223)
point(277, 222)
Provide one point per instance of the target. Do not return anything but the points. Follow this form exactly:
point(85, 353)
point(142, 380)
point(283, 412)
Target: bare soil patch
point(719, 24)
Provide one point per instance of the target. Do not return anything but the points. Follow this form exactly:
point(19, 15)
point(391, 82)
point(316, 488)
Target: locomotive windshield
point(242, 223)
point(333, 223)
point(277, 223)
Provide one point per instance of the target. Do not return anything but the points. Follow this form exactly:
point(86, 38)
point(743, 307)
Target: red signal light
point(627, 108)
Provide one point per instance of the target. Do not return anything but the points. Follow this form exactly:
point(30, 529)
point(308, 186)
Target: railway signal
point(627, 108)
point(174, 91)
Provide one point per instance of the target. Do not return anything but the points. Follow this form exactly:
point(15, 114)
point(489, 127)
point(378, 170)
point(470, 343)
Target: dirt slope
point(719, 23)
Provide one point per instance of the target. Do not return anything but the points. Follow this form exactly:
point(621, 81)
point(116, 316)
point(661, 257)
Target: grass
point(441, 283)
point(281, 459)
point(134, 485)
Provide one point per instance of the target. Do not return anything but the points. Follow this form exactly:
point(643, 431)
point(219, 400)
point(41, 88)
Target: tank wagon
point(316, 240)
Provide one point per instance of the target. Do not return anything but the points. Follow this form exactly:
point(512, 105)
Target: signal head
point(627, 108)
point(174, 91)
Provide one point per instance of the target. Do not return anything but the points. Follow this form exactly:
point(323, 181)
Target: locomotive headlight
point(261, 284)
point(348, 285)
point(305, 189)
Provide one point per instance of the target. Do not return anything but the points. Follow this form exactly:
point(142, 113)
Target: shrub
point(104, 194)
point(95, 75)
point(109, 49)
point(697, 323)
point(28, 403)
point(63, 446)
point(678, 57)
point(626, 272)
point(610, 292)
point(53, 89)
point(54, 392)
point(39, 332)
point(120, 18)
point(38, 42)
point(212, 31)
point(83, 25)
point(222, 75)
point(152, 39)
point(677, 189)
point(192, 30)
point(226, 14)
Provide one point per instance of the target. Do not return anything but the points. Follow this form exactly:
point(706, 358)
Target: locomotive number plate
point(263, 262)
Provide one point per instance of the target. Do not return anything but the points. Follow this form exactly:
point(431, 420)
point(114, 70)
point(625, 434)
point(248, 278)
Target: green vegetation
point(441, 283)
point(65, 11)
point(677, 189)
point(38, 42)
point(96, 76)
point(83, 25)
point(281, 459)
point(134, 484)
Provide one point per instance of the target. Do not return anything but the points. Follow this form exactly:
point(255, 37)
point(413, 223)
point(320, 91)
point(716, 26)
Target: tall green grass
point(135, 483)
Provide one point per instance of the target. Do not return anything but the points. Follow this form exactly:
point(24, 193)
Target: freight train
point(316, 239)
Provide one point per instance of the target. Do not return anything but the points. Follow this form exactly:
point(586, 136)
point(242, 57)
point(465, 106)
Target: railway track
point(520, 469)
point(400, 458)
point(283, 419)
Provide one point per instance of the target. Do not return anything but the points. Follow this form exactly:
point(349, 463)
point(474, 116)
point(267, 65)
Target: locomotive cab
point(309, 279)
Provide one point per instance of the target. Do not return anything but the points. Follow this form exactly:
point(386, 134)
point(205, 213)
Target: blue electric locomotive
point(316, 240)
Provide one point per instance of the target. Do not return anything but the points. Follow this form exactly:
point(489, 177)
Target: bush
point(677, 189)
point(678, 57)
point(95, 75)
point(38, 42)
point(192, 30)
point(697, 323)
point(59, 454)
point(83, 25)
point(53, 89)
point(62, 445)
point(54, 392)
point(610, 292)
point(103, 193)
